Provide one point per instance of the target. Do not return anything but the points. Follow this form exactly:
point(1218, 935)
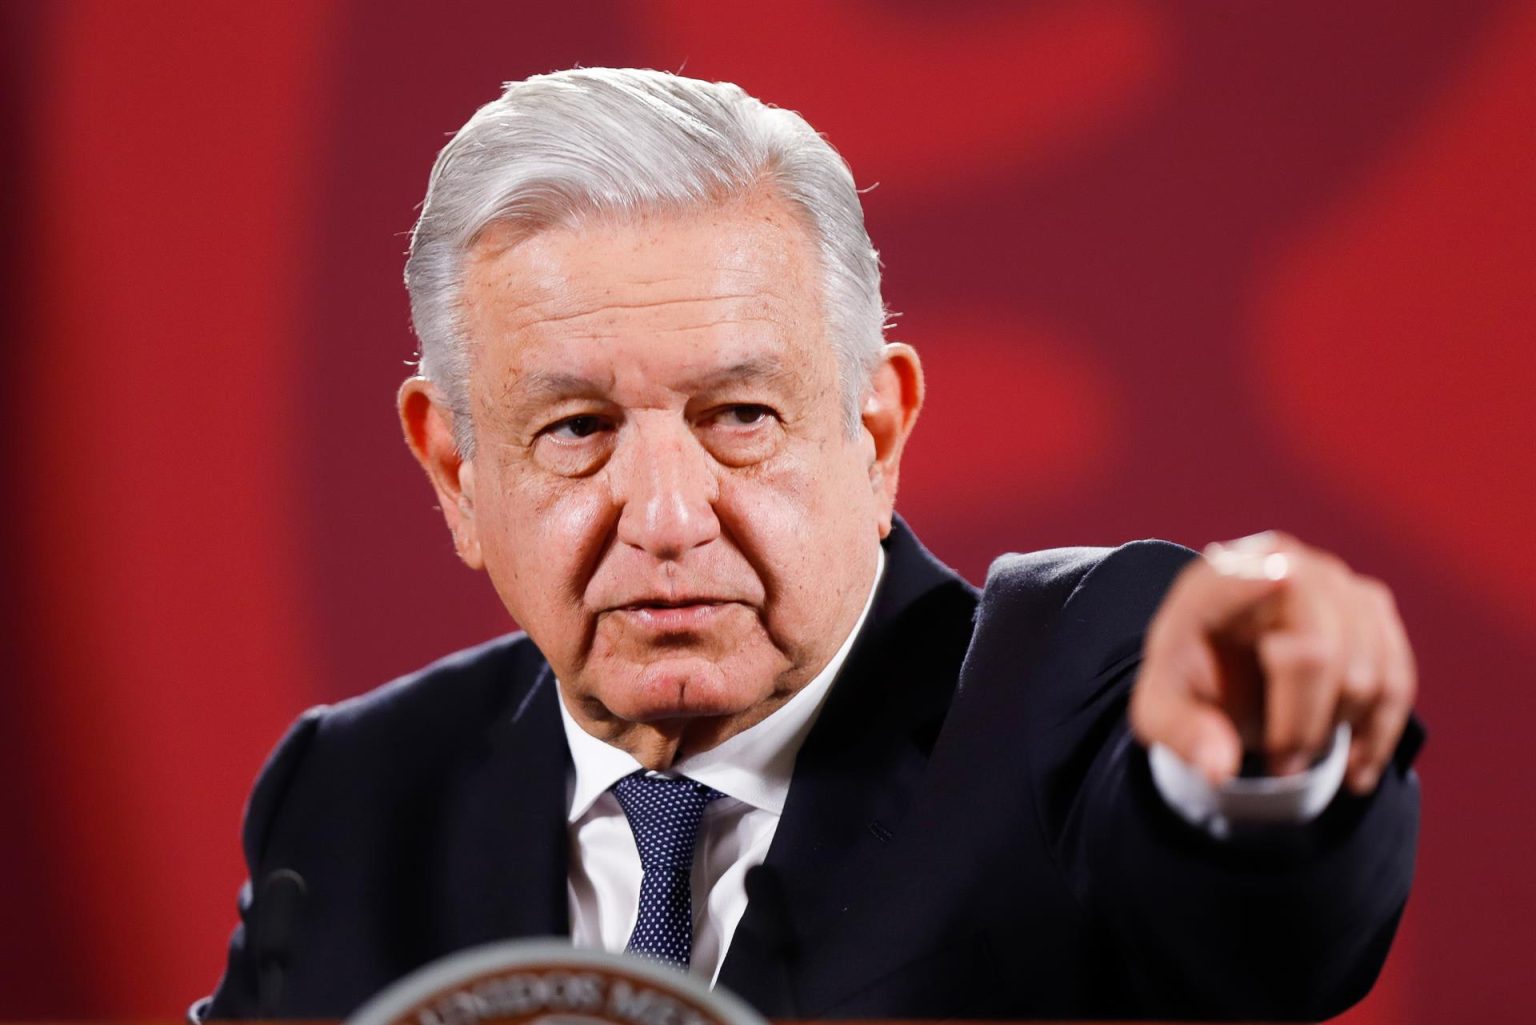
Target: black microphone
point(275, 916)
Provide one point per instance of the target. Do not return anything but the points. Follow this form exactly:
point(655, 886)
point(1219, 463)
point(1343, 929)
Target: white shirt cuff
point(1249, 801)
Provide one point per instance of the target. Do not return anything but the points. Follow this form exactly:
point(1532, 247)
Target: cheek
point(810, 528)
point(822, 493)
point(539, 541)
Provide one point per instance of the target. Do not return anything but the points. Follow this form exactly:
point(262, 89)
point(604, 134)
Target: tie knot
point(664, 814)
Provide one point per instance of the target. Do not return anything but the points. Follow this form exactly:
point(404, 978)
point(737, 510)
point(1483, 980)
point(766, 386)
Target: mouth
point(673, 615)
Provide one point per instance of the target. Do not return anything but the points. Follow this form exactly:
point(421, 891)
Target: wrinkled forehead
point(664, 295)
point(751, 258)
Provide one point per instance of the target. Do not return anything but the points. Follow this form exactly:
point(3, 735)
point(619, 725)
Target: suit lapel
point(854, 777)
point(504, 852)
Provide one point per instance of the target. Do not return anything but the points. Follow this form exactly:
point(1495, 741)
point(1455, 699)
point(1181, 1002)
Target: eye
point(575, 428)
point(745, 415)
point(575, 446)
point(742, 433)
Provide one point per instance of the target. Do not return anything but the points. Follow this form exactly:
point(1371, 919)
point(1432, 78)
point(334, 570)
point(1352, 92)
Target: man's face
point(663, 491)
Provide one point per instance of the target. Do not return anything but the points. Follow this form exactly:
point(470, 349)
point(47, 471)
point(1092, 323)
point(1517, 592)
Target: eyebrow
point(767, 369)
point(549, 385)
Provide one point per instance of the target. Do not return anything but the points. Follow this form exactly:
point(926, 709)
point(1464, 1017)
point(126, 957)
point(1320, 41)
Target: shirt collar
point(754, 766)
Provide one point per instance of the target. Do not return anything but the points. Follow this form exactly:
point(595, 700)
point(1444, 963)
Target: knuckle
point(1362, 689)
point(1374, 589)
point(1334, 569)
point(1309, 572)
point(1323, 557)
point(1382, 600)
point(1384, 597)
point(1308, 655)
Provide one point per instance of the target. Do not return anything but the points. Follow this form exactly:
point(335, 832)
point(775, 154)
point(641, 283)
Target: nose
point(666, 488)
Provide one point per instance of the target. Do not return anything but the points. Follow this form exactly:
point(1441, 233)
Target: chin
point(680, 689)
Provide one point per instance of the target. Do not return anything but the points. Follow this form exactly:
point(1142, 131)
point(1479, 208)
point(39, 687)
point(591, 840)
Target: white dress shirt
point(753, 769)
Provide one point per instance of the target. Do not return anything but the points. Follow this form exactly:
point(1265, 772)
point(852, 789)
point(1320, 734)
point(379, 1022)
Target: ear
point(428, 424)
point(891, 406)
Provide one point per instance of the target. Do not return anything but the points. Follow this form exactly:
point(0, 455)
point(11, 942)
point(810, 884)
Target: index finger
point(1175, 704)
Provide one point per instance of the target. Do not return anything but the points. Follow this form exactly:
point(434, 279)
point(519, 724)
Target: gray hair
point(623, 141)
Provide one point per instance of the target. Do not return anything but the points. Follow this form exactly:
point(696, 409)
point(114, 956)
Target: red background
point(1184, 270)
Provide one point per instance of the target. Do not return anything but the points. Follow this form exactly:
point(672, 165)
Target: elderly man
point(754, 729)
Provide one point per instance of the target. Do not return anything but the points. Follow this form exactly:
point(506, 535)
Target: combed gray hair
point(624, 141)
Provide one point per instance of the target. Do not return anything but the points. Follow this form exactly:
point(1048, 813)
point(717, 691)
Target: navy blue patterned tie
point(664, 815)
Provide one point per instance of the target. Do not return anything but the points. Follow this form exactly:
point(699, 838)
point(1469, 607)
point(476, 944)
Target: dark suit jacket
point(970, 831)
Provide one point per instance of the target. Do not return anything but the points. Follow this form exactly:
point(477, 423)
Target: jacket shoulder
point(396, 737)
point(348, 806)
point(1145, 562)
point(1060, 629)
point(1112, 589)
point(456, 691)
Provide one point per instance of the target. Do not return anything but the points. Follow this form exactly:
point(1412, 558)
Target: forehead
point(728, 283)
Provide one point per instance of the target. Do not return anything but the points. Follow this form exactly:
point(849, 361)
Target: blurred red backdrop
point(1184, 270)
